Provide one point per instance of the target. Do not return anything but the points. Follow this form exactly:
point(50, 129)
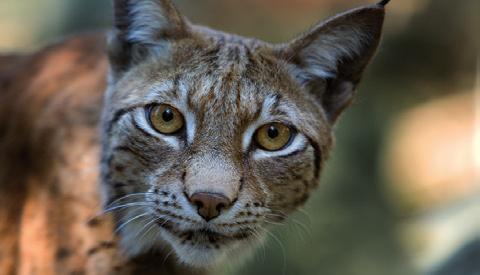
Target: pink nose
point(209, 205)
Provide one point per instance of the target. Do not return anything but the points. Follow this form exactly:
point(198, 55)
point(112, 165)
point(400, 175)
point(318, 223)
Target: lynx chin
point(204, 139)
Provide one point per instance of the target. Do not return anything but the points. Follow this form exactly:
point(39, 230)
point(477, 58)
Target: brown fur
point(49, 144)
point(52, 101)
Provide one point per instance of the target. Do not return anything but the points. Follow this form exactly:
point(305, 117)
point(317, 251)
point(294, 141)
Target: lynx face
point(209, 137)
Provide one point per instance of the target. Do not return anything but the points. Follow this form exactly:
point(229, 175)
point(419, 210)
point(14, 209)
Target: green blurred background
point(360, 219)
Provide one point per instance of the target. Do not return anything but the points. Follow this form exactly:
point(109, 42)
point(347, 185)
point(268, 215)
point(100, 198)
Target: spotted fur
point(60, 125)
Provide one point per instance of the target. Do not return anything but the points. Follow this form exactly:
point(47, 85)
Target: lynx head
point(209, 137)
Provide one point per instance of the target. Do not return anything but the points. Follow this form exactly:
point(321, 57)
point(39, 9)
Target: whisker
point(125, 197)
point(273, 219)
point(148, 224)
point(275, 223)
point(118, 229)
point(258, 236)
point(281, 215)
point(166, 219)
point(302, 226)
point(304, 229)
point(305, 213)
point(126, 205)
point(166, 257)
point(105, 212)
point(282, 247)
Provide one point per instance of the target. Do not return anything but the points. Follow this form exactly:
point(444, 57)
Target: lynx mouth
point(204, 237)
point(203, 247)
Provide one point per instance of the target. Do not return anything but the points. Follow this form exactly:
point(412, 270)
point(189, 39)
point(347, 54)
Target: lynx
point(176, 148)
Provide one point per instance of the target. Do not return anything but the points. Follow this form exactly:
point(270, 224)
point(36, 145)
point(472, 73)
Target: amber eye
point(165, 119)
point(273, 136)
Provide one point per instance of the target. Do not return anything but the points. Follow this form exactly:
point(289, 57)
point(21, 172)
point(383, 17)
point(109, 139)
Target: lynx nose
point(210, 205)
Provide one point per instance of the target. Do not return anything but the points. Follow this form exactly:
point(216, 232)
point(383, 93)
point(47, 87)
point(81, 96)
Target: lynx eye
point(273, 136)
point(165, 119)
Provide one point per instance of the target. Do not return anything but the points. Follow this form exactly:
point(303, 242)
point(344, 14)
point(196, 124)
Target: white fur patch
point(298, 143)
point(148, 19)
point(159, 89)
point(322, 56)
point(194, 255)
point(187, 113)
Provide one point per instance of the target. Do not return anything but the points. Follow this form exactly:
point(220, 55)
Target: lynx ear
point(329, 60)
point(143, 27)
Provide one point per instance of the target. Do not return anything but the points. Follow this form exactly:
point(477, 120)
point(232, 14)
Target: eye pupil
point(168, 115)
point(272, 132)
point(273, 136)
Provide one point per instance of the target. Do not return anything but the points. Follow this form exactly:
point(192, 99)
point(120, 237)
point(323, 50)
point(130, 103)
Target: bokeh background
point(401, 194)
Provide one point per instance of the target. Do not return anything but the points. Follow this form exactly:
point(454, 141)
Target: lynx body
point(198, 141)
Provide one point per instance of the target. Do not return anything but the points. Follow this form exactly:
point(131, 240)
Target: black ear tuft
point(383, 3)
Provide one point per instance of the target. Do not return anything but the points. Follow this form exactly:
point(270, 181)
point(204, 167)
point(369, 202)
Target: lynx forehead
point(209, 137)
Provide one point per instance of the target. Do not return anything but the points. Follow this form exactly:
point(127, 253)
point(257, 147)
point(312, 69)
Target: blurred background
point(401, 193)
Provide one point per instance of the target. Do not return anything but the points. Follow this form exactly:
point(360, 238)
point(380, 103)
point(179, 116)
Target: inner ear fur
point(329, 60)
point(141, 28)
